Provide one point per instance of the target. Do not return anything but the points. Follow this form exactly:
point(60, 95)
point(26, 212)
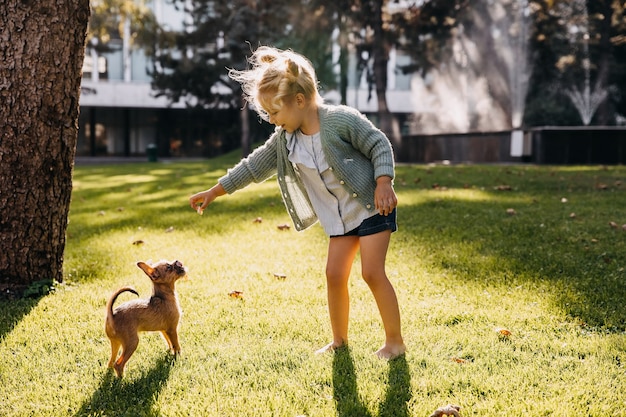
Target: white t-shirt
point(336, 209)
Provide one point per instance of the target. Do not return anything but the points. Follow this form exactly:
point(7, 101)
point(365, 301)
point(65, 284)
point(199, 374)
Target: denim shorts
point(375, 224)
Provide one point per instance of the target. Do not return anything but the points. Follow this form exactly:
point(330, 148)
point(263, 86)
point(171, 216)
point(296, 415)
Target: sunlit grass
point(551, 272)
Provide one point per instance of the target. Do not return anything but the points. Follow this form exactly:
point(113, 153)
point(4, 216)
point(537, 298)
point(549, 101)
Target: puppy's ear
point(146, 268)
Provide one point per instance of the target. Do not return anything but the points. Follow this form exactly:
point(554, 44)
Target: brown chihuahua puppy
point(160, 312)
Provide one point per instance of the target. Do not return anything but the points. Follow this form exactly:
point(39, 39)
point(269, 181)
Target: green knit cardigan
point(354, 148)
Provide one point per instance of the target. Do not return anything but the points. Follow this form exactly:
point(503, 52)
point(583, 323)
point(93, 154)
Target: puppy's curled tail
point(114, 297)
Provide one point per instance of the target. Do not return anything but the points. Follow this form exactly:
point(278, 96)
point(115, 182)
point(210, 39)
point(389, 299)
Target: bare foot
point(390, 352)
point(331, 347)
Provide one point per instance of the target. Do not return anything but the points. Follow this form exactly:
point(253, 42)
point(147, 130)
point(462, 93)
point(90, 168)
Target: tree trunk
point(42, 49)
point(604, 115)
point(244, 118)
point(343, 58)
point(380, 50)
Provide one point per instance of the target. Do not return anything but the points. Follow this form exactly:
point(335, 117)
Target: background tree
point(192, 65)
point(578, 42)
point(431, 32)
point(557, 47)
point(376, 42)
point(425, 31)
point(546, 105)
point(121, 24)
point(370, 29)
point(608, 55)
point(313, 37)
point(42, 47)
point(618, 70)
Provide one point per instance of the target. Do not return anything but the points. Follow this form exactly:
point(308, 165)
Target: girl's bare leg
point(341, 253)
point(373, 255)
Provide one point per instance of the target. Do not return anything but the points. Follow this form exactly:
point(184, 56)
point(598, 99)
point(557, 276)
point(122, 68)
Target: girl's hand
point(201, 200)
point(385, 199)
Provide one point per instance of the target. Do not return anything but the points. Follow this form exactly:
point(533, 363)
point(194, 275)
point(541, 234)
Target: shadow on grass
point(580, 258)
point(398, 391)
point(155, 206)
point(116, 397)
point(12, 312)
point(568, 245)
point(346, 395)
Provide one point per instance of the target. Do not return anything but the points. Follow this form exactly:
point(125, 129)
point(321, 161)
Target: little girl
point(333, 165)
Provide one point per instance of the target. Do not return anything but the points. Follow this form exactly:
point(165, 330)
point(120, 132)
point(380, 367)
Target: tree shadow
point(13, 311)
point(581, 257)
point(116, 397)
point(115, 209)
point(346, 395)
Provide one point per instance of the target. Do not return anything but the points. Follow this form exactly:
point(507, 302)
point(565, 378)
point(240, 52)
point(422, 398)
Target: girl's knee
point(334, 280)
point(375, 278)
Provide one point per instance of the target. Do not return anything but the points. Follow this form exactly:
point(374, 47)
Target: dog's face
point(163, 272)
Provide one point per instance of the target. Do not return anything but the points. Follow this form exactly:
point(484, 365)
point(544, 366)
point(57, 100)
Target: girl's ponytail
point(276, 75)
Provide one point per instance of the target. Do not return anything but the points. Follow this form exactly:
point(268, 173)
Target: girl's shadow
point(346, 395)
point(115, 397)
point(399, 389)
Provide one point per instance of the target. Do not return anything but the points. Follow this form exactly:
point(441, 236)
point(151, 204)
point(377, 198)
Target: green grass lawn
point(479, 249)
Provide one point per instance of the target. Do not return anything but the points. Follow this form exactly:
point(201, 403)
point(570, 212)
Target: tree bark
point(41, 50)
point(605, 112)
point(380, 50)
point(244, 117)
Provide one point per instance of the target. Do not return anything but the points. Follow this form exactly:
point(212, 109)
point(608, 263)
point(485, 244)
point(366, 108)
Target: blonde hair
point(278, 75)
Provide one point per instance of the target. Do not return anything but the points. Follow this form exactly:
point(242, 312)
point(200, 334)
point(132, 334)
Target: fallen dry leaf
point(458, 360)
point(283, 227)
point(503, 188)
point(169, 229)
point(511, 212)
point(138, 242)
point(236, 294)
point(280, 276)
point(258, 220)
point(572, 215)
point(448, 410)
point(503, 332)
point(613, 225)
